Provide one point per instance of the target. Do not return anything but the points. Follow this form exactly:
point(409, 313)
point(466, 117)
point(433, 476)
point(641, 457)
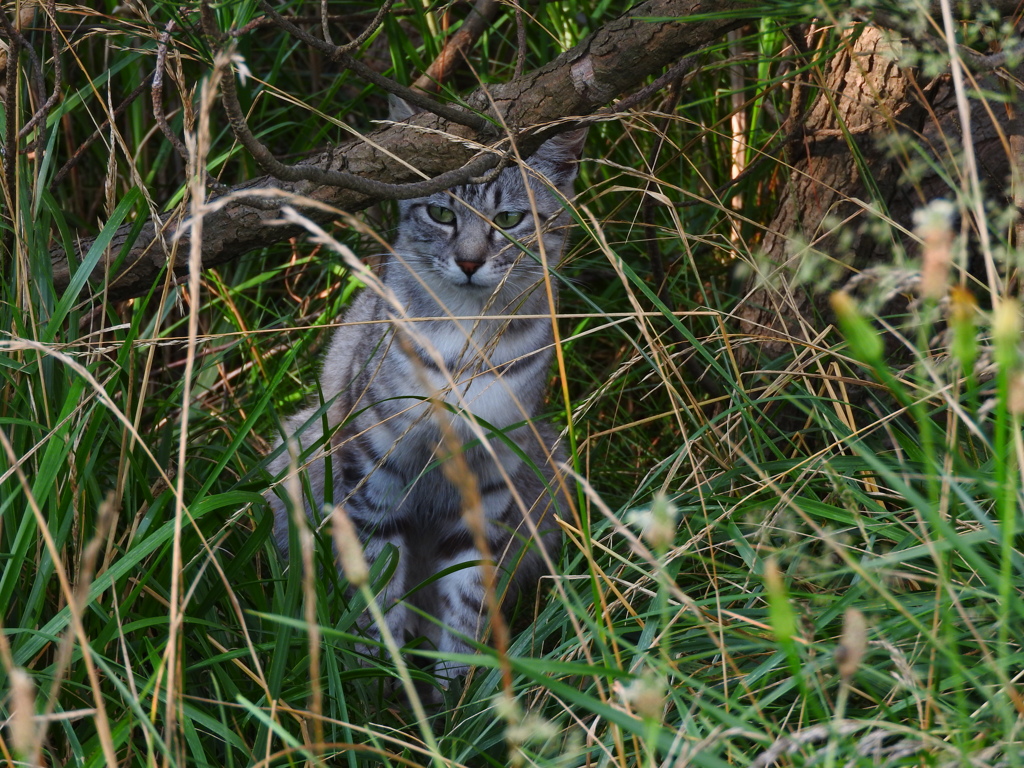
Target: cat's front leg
point(389, 598)
point(461, 595)
point(460, 609)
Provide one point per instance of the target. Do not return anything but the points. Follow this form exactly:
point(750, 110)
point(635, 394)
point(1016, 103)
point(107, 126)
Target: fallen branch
point(615, 59)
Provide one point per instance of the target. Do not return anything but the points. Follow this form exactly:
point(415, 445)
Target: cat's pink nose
point(469, 267)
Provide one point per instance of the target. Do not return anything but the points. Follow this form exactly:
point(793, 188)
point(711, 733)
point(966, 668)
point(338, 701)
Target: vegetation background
point(796, 546)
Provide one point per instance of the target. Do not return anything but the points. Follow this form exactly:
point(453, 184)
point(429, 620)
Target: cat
point(468, 252)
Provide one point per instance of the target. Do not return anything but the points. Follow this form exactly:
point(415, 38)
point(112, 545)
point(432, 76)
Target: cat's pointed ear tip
point(577, 138)
point(564, 148)
point(569, 143)
point(399, 109)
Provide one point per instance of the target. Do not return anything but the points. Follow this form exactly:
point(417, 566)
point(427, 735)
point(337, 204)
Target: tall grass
point(733, 591)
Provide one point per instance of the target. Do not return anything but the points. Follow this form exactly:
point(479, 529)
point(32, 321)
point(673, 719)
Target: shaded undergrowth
point(813, 561)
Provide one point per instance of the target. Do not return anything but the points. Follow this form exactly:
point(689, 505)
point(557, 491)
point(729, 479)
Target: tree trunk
point(847, 175)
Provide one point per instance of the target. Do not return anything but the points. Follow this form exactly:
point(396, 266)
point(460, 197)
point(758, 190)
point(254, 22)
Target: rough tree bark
point(864, 98)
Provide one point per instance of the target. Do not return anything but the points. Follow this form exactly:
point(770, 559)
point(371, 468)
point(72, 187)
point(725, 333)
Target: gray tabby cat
point(467, 259)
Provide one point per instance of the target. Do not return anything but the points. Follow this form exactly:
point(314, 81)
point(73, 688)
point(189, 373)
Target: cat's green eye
point(440, 214)
point(507, 219)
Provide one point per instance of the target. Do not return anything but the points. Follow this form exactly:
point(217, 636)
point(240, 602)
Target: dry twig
point(479, 19)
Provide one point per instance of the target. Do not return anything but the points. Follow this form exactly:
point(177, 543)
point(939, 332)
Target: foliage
point(735, 590)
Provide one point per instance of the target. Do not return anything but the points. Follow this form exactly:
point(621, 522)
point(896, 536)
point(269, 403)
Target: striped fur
point(450, 262)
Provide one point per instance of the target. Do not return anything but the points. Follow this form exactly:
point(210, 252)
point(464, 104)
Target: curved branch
point(615, 59)
point(158, 92)
point(479, 19)
point(327, 176)
point(363, 36)
point(50, 9)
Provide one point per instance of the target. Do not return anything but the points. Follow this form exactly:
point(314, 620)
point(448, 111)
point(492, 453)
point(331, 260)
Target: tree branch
point(327, 176)
point(479, 19)
point(615, 59)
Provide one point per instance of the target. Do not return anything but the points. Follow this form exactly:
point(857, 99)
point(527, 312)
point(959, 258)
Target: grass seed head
point(864, 341)
point(646, 695)
point(350, 550)
point(22, 723)
point(658, 523)
point(853, 644)
point(934, 225)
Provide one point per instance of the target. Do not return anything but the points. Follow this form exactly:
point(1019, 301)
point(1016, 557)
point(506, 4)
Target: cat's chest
point(475, 369)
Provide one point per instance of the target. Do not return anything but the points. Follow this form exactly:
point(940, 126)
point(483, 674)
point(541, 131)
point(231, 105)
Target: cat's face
point(479, 238)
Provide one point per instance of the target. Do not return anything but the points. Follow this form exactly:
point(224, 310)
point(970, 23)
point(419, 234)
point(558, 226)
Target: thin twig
point(158, 92)
point(450, 112)
point(492, 174)
point(264, 21)
point(678, 71)
point(14, 35)
point(158, 106)
point(980, 62)
point(363, 36)
point(520, 42)
point(46, 106)
point(324, 27)
point(80, 152)
point(25, 14)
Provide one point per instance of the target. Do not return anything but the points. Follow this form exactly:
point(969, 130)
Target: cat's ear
point(399, 109)
point(557, 158)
